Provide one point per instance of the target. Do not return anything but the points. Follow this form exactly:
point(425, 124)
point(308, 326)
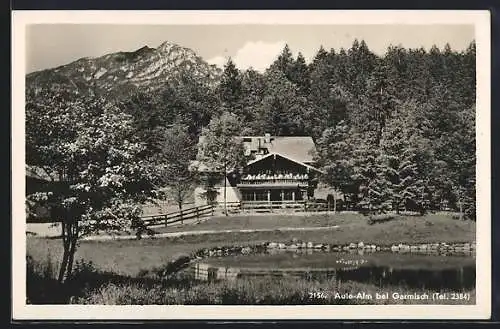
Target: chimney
point(267, 138)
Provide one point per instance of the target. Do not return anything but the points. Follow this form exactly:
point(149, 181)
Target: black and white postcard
point(251, 165)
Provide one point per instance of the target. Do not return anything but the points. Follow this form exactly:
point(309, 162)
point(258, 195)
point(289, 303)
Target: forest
point(392, 132)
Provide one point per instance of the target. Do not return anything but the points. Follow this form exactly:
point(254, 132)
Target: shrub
point(167, 271)
point(252, 291)
point(244, 291)
point(380, 218)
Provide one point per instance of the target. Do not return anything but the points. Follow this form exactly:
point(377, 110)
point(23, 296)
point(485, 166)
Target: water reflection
point(379, 269)
point(454, 279)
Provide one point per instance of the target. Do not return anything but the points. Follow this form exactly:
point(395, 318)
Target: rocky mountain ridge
point(122, 73)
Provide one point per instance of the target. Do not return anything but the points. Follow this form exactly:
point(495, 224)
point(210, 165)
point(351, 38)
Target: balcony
point(274, 180)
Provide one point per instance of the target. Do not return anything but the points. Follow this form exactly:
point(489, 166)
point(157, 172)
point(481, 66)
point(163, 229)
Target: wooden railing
point(306, 206)
point(178, 216)
point(232, 207)
point(283, 181)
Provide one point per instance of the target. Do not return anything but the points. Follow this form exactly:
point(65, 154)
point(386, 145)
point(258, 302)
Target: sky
point(256, 46)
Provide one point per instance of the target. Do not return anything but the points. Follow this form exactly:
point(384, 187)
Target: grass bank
point(264, 221)
point(129, 257)
point(352, 221)
point(262, 291)
point(91, 286)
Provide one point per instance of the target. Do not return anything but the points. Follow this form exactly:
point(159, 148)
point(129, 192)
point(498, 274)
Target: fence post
point(182, 218)
point(197, 213)
point(166, 220)
point(305, 206)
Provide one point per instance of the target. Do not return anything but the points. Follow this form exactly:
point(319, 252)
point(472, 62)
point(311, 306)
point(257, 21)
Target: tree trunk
point(225, 205)
point(461, 209)
point(460, 202)
point(66, 249)
point(70, 239)
point(179, 196)
point(64, 265)
point(72, 250)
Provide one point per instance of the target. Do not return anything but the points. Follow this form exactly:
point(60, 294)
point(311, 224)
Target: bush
point(167, 271)
point(256, 291)
point(380, 218)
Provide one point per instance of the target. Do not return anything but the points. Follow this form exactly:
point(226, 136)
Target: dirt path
point(177, 234)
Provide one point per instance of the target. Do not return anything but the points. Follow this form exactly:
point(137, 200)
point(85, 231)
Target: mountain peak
point(119, 74)
point(166, 46)
point(144, 49)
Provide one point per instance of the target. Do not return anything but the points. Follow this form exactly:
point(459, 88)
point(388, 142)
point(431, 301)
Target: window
point(257, 195)
point(261, 195)
point(247, 196)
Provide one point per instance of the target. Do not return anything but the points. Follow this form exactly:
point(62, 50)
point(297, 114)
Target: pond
point(420, 271)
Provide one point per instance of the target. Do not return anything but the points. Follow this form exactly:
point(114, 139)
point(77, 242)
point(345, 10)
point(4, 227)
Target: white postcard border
point(482, 309)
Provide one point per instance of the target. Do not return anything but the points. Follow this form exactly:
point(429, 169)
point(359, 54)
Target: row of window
point(275, 176)
point(273, 195)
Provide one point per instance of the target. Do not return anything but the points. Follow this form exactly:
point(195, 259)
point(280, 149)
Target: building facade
point(282, 171)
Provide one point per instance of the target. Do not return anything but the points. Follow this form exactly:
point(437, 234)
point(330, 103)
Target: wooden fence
point(232, 207)
point(178, 216)
point(266, 206)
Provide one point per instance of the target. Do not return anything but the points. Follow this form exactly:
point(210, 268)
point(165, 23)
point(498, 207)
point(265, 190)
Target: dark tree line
point(393, 132)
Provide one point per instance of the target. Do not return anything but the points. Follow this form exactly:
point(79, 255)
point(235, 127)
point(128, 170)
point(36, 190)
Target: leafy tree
point(334, 152)
point(101, 165)
point(464, 161)
point(254, 89)
point(283, 111)
point(328, 97)
point(396, 66)
point(466, 75)
point(359, 66)
point(220, 149)
point(284, 63)
point(230, 88)
point(299, 74)
point(191, 101)
point(177, 151)
point(149, 118)
point(377, 104)
point(319, 59)
point(406, 157)
point(419, 80)
point(370, 178)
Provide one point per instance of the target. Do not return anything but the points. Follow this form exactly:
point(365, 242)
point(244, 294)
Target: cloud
point(219, 61)
point(256, 54)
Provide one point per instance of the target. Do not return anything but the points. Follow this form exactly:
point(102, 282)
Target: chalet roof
point(296, 148)
point(300, 148)
point(285, 157)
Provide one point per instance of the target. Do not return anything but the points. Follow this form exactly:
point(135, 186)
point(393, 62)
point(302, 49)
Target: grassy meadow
point(264, 291)
point(128, 257)
point(118, 266)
